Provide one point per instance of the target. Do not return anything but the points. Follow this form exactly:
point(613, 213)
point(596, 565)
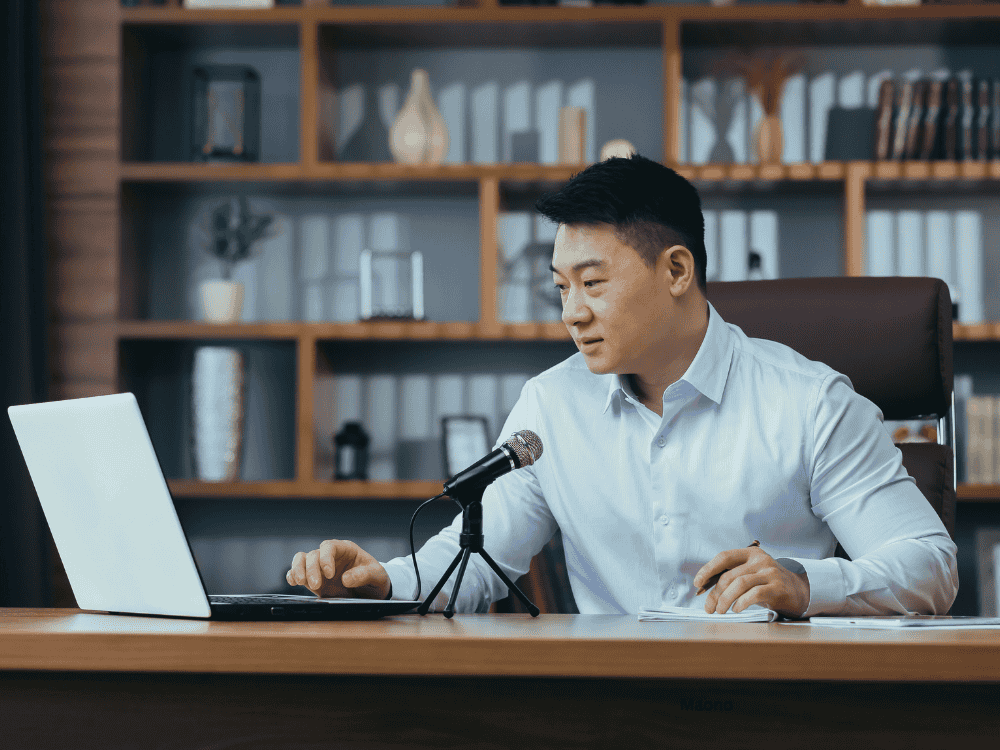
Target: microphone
point(521, 449)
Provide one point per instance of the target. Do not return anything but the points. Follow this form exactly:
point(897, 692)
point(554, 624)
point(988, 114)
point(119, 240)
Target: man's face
point(617, 309)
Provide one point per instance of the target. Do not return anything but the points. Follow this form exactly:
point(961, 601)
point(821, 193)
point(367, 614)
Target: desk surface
point(493, 645)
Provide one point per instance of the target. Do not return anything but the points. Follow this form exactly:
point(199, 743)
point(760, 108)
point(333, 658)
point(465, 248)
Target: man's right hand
point(339, 569)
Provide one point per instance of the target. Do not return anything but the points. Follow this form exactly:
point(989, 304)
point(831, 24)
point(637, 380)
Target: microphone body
point(521, 449)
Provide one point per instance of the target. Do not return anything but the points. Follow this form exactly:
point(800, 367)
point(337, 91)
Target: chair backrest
point(892, 336)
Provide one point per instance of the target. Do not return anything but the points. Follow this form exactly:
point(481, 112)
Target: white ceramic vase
point(217, 413)
point(221, 301)
point(419, 134)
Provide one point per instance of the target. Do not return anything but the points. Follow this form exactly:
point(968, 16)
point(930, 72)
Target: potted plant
point(233, 230)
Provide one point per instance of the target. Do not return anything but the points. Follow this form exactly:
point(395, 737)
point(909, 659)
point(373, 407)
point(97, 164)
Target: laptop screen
point(108, 506)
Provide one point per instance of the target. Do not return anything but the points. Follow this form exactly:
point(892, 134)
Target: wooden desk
point(75, 679)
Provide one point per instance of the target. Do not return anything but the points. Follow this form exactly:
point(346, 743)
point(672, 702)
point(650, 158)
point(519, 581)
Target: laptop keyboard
point(260, 599)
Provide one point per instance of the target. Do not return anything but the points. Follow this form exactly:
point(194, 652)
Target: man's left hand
point(751, 576)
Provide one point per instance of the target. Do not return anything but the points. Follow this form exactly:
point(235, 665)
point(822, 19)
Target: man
point(673, 441)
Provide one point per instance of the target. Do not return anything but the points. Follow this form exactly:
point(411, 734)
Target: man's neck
point(649, 387)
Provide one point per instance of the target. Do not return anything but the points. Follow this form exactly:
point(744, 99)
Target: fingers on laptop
point(321, 570)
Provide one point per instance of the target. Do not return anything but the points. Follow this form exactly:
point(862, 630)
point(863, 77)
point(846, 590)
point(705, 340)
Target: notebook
point(753, 613)
point(113, 520)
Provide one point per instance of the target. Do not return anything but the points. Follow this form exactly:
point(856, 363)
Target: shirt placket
point(668, 523)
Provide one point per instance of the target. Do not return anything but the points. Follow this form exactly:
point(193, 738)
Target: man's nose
point(575, 309)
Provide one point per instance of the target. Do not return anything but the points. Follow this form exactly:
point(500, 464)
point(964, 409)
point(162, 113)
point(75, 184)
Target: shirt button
point(661, 442)
point(672, 592)
point(664, 520)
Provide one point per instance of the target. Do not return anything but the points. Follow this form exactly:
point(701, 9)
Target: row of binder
point(947, 245)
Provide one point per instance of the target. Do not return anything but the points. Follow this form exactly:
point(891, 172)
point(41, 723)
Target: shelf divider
point(489, 211)
point(305, 377)
point(672, 78)
point(309, 92)
point(854, 219)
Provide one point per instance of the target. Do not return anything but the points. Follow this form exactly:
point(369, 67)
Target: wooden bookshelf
point(92, 53)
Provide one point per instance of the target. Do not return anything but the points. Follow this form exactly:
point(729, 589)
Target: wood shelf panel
point(425, 330)
point(989, 331)
point(375, 331)
point(984, 493)
point(402, 490)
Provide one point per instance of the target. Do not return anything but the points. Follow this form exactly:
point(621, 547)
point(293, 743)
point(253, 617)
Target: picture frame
point(464, 440)
point(988, 560)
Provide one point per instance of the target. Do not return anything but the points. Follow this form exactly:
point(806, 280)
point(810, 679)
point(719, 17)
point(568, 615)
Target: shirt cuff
point(826, 584)
point(402, 579)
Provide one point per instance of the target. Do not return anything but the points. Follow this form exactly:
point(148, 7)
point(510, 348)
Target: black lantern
point(351, 452)
point(225, 113)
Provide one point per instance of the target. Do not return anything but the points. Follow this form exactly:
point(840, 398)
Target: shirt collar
point(708, 371)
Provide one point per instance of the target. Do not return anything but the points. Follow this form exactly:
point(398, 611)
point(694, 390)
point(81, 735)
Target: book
point(995, 150)
point(951, 120)
point(916, 113)
point(932, 113)
point(981, 449)
point(968, 119)
point(904, 100)
point(753, 613)
point(910, 243)
point(982, 138)
point(969, 269)
point(733, 245)
point(880, 252)
point(883, 120)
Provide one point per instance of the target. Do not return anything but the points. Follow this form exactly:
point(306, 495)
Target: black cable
point(413, 550)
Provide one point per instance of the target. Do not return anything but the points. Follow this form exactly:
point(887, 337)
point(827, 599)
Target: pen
point(715, 579)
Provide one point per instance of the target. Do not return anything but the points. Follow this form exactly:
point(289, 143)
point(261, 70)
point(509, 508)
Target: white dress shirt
point(755, 442)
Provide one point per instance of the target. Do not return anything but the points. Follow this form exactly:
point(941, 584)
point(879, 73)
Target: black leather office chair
point(892, 336)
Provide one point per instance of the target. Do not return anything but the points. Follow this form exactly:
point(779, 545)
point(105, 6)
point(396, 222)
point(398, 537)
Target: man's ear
point(678, 269)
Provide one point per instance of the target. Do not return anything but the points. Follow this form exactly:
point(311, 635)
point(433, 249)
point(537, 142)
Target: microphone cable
point(413, 551)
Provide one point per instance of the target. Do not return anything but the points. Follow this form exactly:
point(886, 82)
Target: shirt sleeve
point(517, 523)
point(902, 558)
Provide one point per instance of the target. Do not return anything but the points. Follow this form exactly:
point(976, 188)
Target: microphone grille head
point(527, 446)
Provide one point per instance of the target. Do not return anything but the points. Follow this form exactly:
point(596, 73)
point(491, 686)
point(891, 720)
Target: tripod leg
point(422, 609)
point(510, 584)
point(450, 609)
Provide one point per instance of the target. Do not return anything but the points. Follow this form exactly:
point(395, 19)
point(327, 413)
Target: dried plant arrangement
point(765, 74)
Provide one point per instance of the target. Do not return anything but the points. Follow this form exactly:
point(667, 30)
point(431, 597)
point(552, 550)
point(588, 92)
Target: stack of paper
point(753, 613)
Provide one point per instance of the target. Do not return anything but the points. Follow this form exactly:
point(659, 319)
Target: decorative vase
point(419, 134)
point(768, 140)
point(217, 413)
point(222, 301)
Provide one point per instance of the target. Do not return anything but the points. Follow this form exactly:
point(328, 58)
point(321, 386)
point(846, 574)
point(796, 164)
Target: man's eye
point(592, 283)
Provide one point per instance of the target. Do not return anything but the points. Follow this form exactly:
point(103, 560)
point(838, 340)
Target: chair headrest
point(892, 336)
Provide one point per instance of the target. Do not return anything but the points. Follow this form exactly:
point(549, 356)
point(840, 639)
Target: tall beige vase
point(419, 134)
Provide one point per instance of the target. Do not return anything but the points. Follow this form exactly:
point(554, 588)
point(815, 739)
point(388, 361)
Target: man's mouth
point(589, 342)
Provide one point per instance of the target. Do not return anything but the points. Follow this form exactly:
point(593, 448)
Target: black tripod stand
point(471, 540)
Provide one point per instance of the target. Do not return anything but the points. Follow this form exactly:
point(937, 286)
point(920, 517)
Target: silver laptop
point(114, 523)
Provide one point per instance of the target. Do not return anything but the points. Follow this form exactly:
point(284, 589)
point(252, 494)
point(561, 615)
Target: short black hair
point(649, 205)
